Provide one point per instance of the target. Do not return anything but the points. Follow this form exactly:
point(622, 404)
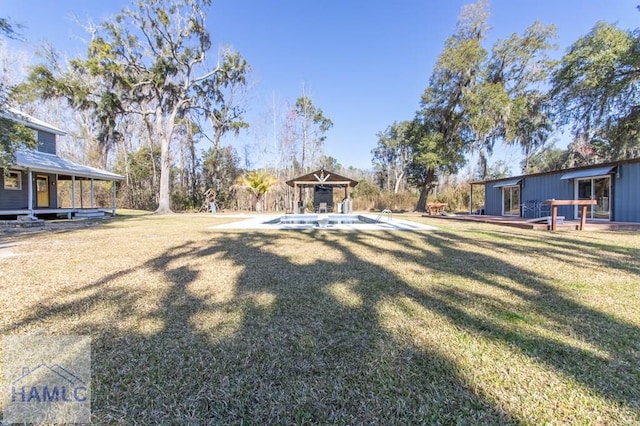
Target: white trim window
point(13, 180)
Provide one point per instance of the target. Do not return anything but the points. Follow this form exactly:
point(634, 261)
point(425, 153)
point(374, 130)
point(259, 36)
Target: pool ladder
point(384, 212)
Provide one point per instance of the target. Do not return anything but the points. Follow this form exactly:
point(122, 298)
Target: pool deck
point(262, 222)
point(525, 223)
point(258, 221)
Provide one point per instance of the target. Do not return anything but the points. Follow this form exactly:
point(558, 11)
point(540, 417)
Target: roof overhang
point(27, 159)
point(29, 121)
point(307, 183)
point(600, 171)
point(510, 182)
point(322, 177)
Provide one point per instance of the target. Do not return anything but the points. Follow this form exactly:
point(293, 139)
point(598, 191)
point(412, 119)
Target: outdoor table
point(582, 203)
point(436, 208)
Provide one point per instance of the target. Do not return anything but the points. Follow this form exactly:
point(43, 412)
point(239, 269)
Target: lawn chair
point(322, 207)
point(543, 209)
point(530, 208)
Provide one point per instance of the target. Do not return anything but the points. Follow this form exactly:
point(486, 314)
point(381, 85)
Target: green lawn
point(470, 324)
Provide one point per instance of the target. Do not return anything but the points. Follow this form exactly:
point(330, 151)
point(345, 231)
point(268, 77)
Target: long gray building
point(615, 186)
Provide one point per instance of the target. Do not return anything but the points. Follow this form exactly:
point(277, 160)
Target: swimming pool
point(321, 220)
point(329, 221)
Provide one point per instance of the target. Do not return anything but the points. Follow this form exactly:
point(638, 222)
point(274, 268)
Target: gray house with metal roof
point(30, 186)
point(615, 186)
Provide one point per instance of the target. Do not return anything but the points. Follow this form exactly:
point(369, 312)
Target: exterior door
point(42, 191)
point(511, 201)
point(597, 188)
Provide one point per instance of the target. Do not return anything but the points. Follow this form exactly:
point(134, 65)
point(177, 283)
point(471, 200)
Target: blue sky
point(365, 63)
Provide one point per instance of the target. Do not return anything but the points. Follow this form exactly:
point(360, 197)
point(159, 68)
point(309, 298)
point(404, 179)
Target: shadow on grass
point(272, 343)
point(569, 246)
point(613, 377)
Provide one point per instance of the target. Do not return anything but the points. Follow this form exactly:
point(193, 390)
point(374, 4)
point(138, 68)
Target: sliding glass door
point(596, 188)
point(511, 201)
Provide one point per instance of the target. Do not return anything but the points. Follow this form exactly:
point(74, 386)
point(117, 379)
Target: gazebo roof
point(322, 177)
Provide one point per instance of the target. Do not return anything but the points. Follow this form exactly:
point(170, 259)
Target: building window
point(13, 181)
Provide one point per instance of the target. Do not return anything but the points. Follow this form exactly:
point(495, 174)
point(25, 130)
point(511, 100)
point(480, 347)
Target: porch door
point(597, 188)
point(42, 191)
point(511, 200)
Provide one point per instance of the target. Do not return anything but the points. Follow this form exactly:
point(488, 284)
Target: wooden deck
point(69, 212)
point(521, 222)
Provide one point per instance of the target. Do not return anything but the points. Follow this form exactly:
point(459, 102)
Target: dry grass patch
point(470, 324)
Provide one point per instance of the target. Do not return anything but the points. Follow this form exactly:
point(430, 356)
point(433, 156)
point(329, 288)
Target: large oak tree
point(597, 91)
point(152, 61)
point(475, 98)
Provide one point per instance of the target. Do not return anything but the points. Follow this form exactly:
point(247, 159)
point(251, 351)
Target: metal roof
point(511, 182)
point(322, 177)
point(565, 171)
point(29, 121)
point(28, 159)
point(601, 171)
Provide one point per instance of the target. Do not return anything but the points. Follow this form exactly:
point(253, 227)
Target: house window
point(13, 181)
point(511, 200)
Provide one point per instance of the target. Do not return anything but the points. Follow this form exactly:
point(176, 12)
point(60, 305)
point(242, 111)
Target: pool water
point(321, 220)
point(330, 221)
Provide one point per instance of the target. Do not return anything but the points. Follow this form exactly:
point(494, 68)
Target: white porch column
point(92, 196)
point(30, 192)
point(81, 198)
point(73, 192)
point(113, 185)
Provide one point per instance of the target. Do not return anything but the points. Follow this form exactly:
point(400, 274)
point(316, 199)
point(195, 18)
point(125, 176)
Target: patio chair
point(322, 207)
point(543, 209)
point(529, 208)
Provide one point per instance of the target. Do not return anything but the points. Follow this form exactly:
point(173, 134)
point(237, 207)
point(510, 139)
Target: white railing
point(385, 212)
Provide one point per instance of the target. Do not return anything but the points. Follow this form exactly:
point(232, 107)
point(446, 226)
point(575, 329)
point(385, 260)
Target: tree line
point(514, 93)
point(151, 90)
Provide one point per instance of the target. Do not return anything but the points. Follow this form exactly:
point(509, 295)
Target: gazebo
point(323, 182)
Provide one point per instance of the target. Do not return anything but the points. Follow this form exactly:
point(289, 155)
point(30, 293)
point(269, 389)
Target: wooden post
point(554, 216)
point(583, 216)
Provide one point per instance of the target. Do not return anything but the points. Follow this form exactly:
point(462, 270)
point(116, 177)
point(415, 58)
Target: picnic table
point(581, 203)
point(436, 208)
